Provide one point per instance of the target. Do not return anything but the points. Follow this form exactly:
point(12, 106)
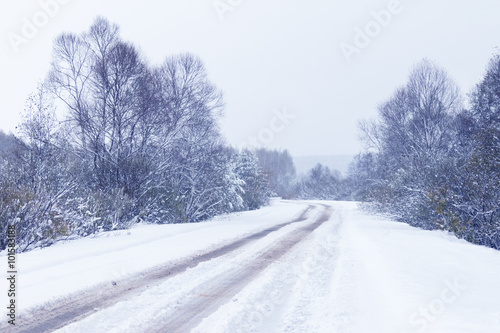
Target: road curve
point(77, 307)
point(209, 297)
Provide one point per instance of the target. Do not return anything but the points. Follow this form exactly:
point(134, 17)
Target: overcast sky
point(295, 74)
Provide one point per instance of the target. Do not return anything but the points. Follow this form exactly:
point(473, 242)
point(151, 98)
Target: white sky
point(272, 54)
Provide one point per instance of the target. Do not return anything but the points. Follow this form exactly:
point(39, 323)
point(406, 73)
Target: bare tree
point(279, 170)
point(102, 81)
point(414, 139)
point(416, 123)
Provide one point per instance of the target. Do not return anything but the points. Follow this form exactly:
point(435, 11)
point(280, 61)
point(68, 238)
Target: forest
point(108, 141)
point(432, 156)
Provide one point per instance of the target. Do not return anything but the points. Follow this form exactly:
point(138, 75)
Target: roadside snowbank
point(410, 280)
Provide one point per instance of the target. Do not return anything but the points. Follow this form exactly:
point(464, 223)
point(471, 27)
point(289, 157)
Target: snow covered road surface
point(81, 305)
point(291, 267)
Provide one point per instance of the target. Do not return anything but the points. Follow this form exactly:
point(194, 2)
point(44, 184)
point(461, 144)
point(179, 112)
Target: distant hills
point(334, 162)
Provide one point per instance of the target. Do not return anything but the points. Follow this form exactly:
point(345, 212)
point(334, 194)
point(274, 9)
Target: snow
point(355, 273)
point(66, 268)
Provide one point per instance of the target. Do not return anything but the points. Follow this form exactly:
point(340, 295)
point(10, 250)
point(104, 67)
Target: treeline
point(433, 161)
point(108, 140)
point(136, 143)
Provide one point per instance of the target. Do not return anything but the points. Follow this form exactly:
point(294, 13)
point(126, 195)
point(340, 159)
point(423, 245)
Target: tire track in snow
point(210, 297)
point(313, 297)
point(56, 315)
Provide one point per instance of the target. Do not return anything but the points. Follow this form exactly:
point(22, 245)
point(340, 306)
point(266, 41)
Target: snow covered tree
point(135, 143)
point(35, 179)
point(475, 194)
point(255, 187)
point(321, 183)
point(102, 80)
point(279, 170)
point(363, 178)
point(196, 164)
point(12, 196)
point(413, 138)
point(143, 135)
point(435, 164)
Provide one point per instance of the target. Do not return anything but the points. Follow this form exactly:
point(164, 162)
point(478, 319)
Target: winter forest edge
point(108, 141)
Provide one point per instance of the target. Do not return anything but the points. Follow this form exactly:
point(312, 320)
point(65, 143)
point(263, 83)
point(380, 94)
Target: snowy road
point(222, 286)
point(292, 267)
point(225, 271)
